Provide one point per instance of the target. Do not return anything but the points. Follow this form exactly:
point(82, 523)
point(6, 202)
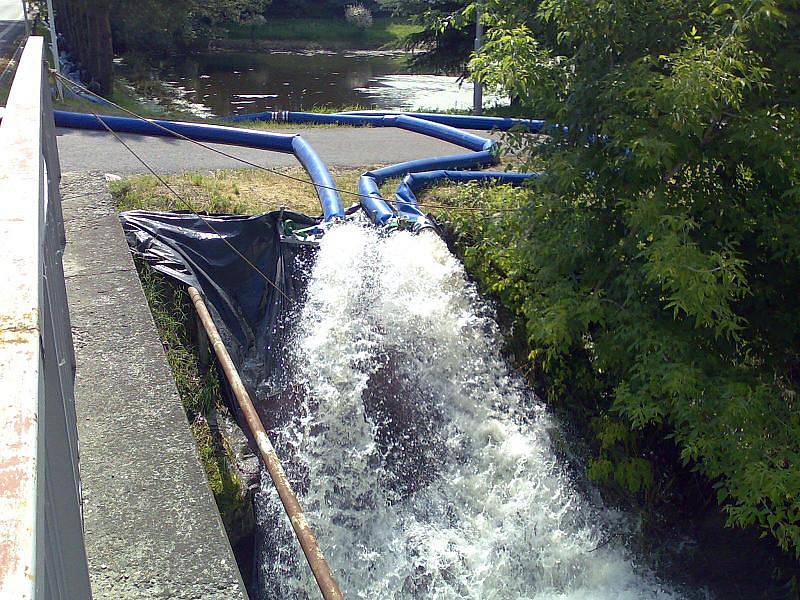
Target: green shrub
point(656, 266)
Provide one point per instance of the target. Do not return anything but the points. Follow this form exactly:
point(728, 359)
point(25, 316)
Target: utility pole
point(477, 89)
point(51, 19)
point(25, 13)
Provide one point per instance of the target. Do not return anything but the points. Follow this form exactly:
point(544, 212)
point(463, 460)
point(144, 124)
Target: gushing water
point(425, 467)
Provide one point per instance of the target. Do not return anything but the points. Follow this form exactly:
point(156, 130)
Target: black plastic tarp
point(250, 313)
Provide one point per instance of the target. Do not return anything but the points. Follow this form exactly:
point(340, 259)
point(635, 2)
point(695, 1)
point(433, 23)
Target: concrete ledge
point(152, 527)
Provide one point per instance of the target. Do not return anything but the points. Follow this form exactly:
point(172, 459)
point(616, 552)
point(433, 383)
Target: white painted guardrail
point(42, 553)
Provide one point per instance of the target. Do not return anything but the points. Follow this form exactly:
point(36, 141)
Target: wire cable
point(186, 203)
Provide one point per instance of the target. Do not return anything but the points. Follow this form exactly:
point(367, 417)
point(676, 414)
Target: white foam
point(497, 516)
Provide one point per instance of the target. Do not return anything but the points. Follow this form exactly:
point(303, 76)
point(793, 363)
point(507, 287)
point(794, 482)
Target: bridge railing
point(42, 553)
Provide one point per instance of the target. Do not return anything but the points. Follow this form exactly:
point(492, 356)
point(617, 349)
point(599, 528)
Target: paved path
point(83, 151)
point(12, 26)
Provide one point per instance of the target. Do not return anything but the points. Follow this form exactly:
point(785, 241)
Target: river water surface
point(230, 83)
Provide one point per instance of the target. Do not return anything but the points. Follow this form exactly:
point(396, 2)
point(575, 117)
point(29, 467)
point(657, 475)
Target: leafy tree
point(445, 42)
point(655, 267)
point(316, 8)
point(87, 30)
point(154, 27)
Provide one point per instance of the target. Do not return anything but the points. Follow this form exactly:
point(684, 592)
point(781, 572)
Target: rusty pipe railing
point(308, 542)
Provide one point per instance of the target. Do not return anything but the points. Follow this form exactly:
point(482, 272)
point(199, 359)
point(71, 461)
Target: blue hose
point(328, 196)
point(372, 202)
point(418, 173)
point(318, 118)
point(290, 144)
point(444, 132)
point(406, 199)
point(472, 160)
point(371, 117)
point(197, 131)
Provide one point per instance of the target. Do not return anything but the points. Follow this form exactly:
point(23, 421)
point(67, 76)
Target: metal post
point(477, 92)
point(25, 13)
point(51, 19)
point(308, 542)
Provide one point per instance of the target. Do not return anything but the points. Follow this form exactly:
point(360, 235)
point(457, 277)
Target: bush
point(655, 268)
point(359, 15)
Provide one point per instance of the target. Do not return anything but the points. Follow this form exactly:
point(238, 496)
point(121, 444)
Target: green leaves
point(655, 269)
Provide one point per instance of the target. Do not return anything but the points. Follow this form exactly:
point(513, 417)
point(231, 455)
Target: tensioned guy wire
point(186, 203)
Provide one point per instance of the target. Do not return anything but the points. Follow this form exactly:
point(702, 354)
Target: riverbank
point(334, 34)
point(231, 469)
point(682, 532)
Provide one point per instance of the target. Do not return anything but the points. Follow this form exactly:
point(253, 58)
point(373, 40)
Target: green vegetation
point(444, 39)
point(653, 272)
point(383, 33)
point(145, 99)
point(152, 27)
point(199, 389)
point(242, 191)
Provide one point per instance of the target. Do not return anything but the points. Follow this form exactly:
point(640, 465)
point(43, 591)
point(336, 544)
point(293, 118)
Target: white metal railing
point(42, 552)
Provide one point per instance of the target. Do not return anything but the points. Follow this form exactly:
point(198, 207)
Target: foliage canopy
point(655, 267)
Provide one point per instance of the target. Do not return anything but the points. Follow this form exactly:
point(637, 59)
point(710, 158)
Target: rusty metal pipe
point(308, 542)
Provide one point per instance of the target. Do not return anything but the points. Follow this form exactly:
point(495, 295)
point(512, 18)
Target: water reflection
point(232, 83)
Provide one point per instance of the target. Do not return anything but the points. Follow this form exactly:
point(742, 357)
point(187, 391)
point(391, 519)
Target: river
point(430, 467)
point(230, 83)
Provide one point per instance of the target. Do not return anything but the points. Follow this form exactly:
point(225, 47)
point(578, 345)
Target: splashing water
point(424, 467)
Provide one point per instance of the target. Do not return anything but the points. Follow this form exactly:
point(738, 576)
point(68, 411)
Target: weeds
point(237, 191)
point(198, 387)
point(383, 32)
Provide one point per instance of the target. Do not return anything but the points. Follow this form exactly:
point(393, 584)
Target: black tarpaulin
point(250, 313)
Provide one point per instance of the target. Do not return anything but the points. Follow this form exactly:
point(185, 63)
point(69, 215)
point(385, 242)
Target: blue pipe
point(462, 121)
point(328, 195)
point(418, 172)
point(197, 131)
point(444, 132)
point(441, 131)
point(318, 118)
point(406, 199)
point(290, 144)
point(376, 206)
point(461, 161)
point(372, 202)
point(372, 117)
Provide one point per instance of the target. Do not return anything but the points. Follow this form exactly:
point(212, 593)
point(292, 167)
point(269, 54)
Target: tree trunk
point(105, 50)
point(86, 27)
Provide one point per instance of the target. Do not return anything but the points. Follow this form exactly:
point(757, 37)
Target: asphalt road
point(12, 26)
point(84, 151)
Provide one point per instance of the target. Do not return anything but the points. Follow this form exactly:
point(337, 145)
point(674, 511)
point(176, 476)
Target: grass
point(198, 387)
point(252, 191)
point(125, 96)
point(383, 33)
point(232, 191)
